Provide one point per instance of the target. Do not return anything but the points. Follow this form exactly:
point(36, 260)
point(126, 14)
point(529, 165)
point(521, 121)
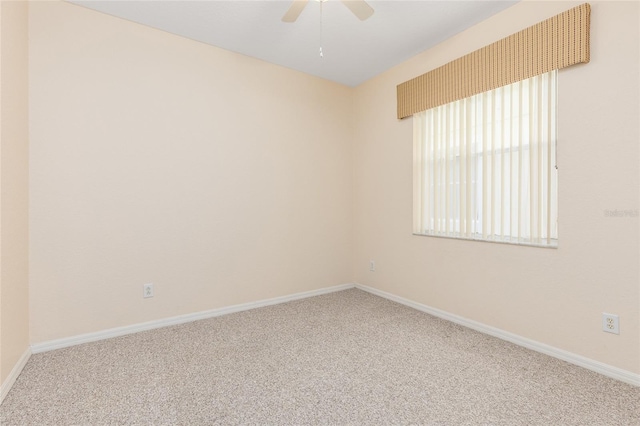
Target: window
point(485, 166)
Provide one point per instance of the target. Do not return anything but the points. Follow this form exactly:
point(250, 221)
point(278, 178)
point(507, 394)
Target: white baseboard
point(181, 319)
point(15, 372)
point(590, 364)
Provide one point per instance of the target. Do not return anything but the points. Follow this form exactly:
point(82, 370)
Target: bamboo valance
point(555, 43)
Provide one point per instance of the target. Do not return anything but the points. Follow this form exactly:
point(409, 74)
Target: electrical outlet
point(372, 265)
point(610, 323)
point(147, 290)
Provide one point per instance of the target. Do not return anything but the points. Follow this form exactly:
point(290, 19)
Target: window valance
point(555, 43)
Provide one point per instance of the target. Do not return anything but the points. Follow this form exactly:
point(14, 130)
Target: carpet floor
point(345, 358)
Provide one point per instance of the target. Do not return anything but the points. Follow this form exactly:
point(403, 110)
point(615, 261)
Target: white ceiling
point(354, 50)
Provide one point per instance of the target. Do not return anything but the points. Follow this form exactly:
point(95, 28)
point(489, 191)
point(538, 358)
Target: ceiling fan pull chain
point(321, 55)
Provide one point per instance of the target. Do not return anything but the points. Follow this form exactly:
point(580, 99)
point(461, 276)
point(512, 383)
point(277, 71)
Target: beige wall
point(220, 178)
point(14, 173)
point(551, 296)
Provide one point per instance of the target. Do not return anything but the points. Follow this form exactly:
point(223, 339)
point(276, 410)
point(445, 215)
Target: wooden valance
point(555, 43)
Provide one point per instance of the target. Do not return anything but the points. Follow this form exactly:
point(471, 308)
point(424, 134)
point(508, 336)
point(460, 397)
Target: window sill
point(553, 245)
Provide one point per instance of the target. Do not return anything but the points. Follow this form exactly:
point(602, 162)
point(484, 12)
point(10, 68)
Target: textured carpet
point(346, 358)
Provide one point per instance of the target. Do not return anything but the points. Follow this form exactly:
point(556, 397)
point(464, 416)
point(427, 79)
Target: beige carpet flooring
point(346, 358)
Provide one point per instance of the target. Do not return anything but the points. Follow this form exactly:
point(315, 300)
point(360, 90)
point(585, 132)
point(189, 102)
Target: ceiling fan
point(360, 8)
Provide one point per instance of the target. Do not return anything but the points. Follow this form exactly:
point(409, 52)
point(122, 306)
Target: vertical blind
point(485, 166)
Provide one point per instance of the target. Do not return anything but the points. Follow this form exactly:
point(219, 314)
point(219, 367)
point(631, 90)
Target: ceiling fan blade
point(360, 8)
point(294, 10)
